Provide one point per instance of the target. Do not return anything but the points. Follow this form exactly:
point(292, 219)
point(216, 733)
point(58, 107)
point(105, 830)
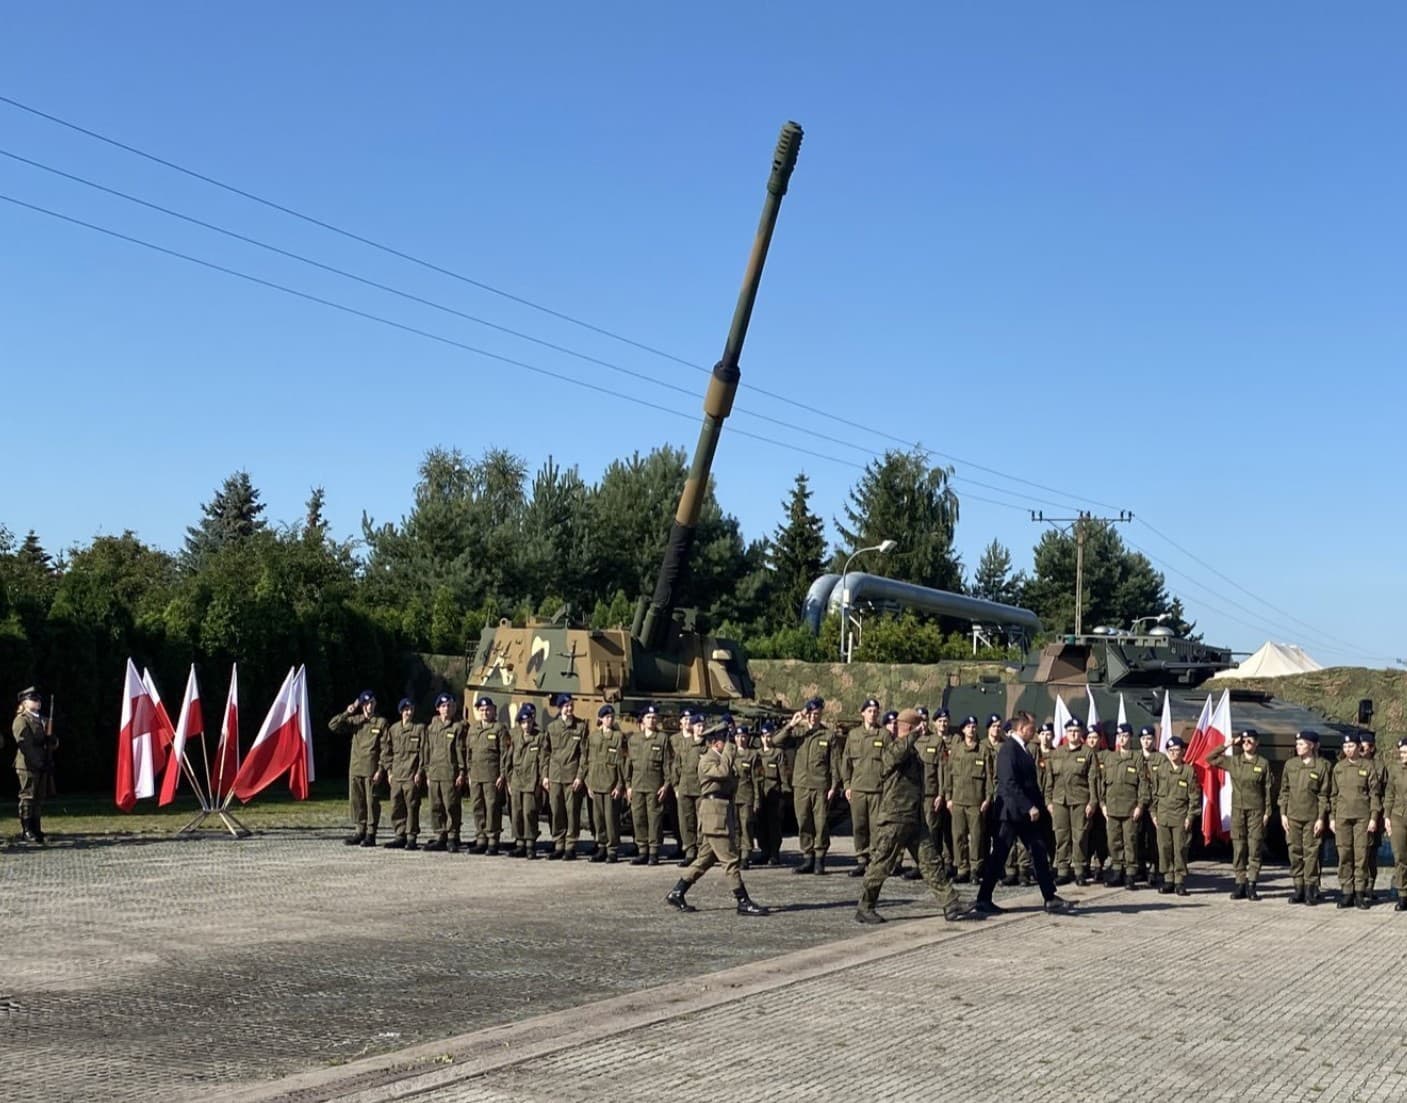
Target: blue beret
point(406, 703)
point(726, 718)
point(1248, 733)
point(1350, 737)
point(366, 696)
point(482, 701)
point(1147, 729)
point(890, 715)
point(527, 712)
point(966, 720)
point(607, 710)
point(815, 704)
point(921, 711)
point(563, 698)
point(648, 710)
point(1176, 741)
point(940, 714)
point(1402, 741)
point(1370, 738)
point(1308, 736)
point(443, 699)
point(1124, 728)
point(1048, 726)
point(1073, 722)
point(767, 727)
point(993, 719)
point(744, 729)
point(871, 703)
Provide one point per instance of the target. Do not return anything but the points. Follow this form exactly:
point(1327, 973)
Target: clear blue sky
point(1152, 258)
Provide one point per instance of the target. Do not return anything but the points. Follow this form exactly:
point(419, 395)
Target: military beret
point(966, 720)
point(940, 714)
point(1308, 736)
point(1402, 741)
point(815, 704)
point(1368, 738)
point(526, 712)
point(767, 727)
point(921, 711)
point(907, 716)
point(563, 698)
point(1122, 728)
point(29, 693)
point(1048, 726)
point(649, 710)
point(607, 710)
point(993, 719)
point(365, 697)
point(1175, 741)
point(744, 729)
point(443, 699)
point(870, 703)
point(1007, 726)
point(726, 718)
point(482, 701)
point(1073, 722)
point(406, 703)
point(893, 714)
point(1147, 729)
point(1248, 733)
point(684, 714)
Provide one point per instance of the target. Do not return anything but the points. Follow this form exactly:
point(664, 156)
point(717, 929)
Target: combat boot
point(1400, 906)
point(1011, 880)
point(820, 864)
point(1311, 895)
point(913, 873)
point(355, 838)
point(808, 866)
point(1238, 891)
point(27, 832)
point(1364, 901)
point(411, 844)
point(654, 859)
point(746, 905)
point(1180, 889)
point(530, 852)
point(453, 847)
point(774, 859)
point(865, 912)
point(492, 851)
point(1346, 900)
point(479, 847)
point(640, 859)
point(398, 843)
point(675, 897)
point(438, 844)
point(1166, 888)
point(569, 855)
point(556, 855)
point(370, 840)
point(1297, 897)
point(1251, 893)
point(520, 850)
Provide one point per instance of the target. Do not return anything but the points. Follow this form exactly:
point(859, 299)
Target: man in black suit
point(1019, 809)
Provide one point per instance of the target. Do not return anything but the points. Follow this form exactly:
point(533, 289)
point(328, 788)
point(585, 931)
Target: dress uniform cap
point(892, 714)
point(443, 699)
point(993, 719)
point(29, 693)
point(606, 710)
point(1369, 739)
point(908, 716)
point(1124, 728)
point(1176, 741)
point(966, 720)
point(366, 696)
point(815, 704)
point(1308, 736)
point(406, 703)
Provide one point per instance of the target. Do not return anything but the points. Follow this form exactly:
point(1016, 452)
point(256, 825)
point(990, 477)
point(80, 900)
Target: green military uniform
point(813, 779)
point(1176, 801)
point(685, 783)
point(771, 789)
point(525, 773)
point(649, 764)
point(363, 800)
point(1069, 792)
point(443, 769)
point(859, 775)
point(1354, 800)
point(747, 766)
point(969, 782)
point(1395, 811)
point(604, 770)
point(486, 749)
point(34, 765)
point(1375, 838)
point(932, 751)
point(1097, 836)
point(1154, 762)
point(401, 758)
point(1304, 805)
point(1251, 784)
point(1123, 791)
point(718, 820)
point(564, 749)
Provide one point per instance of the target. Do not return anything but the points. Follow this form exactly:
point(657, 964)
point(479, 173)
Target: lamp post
point(884, 547)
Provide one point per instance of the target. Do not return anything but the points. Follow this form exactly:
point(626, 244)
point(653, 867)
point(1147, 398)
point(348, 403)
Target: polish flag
point(284, 744)
point(1195, 756)
point(1062, 717)
point(1216, 782)
point(1123, 716)
point(1093, 709)
point(188, 723)
point(1165, 731)
point(164, 731)
point(135, 771)
point(227, 755)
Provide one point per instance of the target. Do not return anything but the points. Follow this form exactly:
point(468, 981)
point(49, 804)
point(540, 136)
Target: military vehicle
point(667, 656)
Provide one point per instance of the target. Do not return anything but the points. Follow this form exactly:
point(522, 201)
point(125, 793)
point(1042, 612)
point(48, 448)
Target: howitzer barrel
point(718, 401)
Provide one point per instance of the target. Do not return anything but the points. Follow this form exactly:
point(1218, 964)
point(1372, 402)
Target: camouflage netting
point(1336, 692)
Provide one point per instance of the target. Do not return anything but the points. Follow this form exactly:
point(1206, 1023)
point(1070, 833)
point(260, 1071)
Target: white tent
point(1273, 660)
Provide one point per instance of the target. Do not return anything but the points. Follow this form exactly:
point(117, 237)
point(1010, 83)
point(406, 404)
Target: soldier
point(604, 770)
point(485, 764)
point(933, 753)
point(1070, 794)
point(562, 778)
point(1177, 801)
point(859, 773)
point(717, 825)
point(748, 766)
point(1250, 809)
point(1395, 815)
point(359, 720)
point(1098, 845)
point(771, 782)
point(814, 779)
point(34, 763)
point(1304, 808)
point(688, 749)
point(401, 759)
point(969, 781)
point(1368, 752)
point(442, 772)
point(1354, 808)
point(1123, 791)
point(1153, 762)
point(525, 770)
point(649, 763)
point(900, 827)
point(1044, 748)
point(943, 837)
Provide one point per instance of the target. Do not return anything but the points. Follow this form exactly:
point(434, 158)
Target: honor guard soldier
point(525, 770)
point(486, 747)
point(771, 790)
point(1354, 809)
point(604, 770)
point(1395, 813)
point(1123, 791)
point(402, 760)
point(969, 784)
point(649, 764)
point(443, 775)
point(1304, 811)
point(1250, 809)
point(859, 774)
point(814, 779)
point(359, 720)
point(718, 825)
point(34, 763)
point(748, 765)
point(1177, 801)
point(688, 749)
point(1368, 752)
point(1154, 761)
point(1070, 794)
point(563, 752)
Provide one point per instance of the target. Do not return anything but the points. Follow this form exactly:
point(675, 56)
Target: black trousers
point(1033, 835)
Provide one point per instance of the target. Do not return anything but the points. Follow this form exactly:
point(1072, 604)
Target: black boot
point(808, 866)
point(1311, 895)
point(913, 873)
point(1238, 892)
point(640, 858)
point(437, 844)
point(370, 840)
point(355, 838)
point(745, 904)
point(1347, 900)
point(492, 851)
point(1365, 901)
point(675, 897)
point(654, 858)
point(530, 851)
point(1251, 893)
point(1180, 889)
point(820, 864)
point(27, 832)
point(411, 844)
point(1297, 897)
point(398, 843)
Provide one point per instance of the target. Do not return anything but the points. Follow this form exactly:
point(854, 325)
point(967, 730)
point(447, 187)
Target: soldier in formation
point(360, 721)
point(1250, 810)
point(649, 765)
point(563, 779)
point(485, 760)
point(401, 759)
point(604, 770)
point(1304, 813)
point(814, 780)
point(859, 775)
point(748, 763)
point(688, 749)
point(1123, 791)
point(1177, 801)
point(1069, 782)
point(1395, 821)
point(1368, 751)
point(34, 763)
point(442, 773)
point(525, 773)
point(771, 790)
point(1355, 808)
point(969, 784)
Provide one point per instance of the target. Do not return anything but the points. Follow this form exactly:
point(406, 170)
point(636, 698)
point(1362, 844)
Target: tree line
point(484, 540)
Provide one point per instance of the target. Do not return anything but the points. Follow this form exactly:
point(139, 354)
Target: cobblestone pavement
point(209, 968)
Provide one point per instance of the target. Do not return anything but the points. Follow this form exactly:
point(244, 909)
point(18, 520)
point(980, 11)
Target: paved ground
point(289, 967)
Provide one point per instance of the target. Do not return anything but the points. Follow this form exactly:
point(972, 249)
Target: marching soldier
point(771, 786)
point(649, 763)
point(1368, 752)
point(1354, 808)
point(1153, 762)
point(717, 825)
point(359, 720)
point(401, 759)
point(1395, 814)
point(1250, 810)
point(1304, 809)
point(525, 771)
point(1177, 801)
point(1123, 791)
point(603, 767)
point(814, 779)
point(688, 749)
point(34, 763)
point(1070, 794)
point(486, 749)
point(969, 784)
point(859, 772)
point(442, 772)
point(562, 780)
point(748, 766)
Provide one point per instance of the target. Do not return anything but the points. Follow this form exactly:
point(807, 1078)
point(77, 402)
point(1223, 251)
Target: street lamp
point(884, 547)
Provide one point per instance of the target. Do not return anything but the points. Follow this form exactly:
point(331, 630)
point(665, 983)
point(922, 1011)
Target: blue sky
point(1149, 258)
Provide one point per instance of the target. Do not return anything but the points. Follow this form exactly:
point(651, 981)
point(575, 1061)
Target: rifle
point(50, 743)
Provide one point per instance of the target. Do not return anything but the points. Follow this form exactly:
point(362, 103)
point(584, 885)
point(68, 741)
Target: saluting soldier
point(1354, 808)
point(718, 825)
point(442, 772)
point(562, 780)
point(969, 785)
point(1154, 761)
point(486, 745)
point(688, 749)
point(1368, 752)
point(604, 769)
point(1123, 791)
point(525, 771)
point(401, 759)
point(1395, 814)
point(360, 721)
point(771, 787)
point(1177, 801)
point(649, 763)
point(34, 763)
point(859, 773)
point(1304, 811)
point(748, 766)
point(1070, 794)
point(814, 779)
point(1250, 809)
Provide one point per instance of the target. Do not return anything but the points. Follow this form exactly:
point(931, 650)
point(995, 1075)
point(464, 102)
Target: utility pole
point(1080, 524)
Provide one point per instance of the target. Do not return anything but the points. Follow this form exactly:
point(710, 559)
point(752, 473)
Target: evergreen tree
point(232, 515)
point(901, 498)
point(31, 554)
point(1119, 585)
point(314, 523)
point(993, 579)
point(796, 555)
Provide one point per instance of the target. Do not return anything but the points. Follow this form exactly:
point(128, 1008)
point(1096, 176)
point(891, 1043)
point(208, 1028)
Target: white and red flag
point(136, 771)
point(284, 744)
point(1123, 719)
point(1195, 756)
point(164, 731)
point(1062, 717)
point(227, 754)
point(1215, 781)
point(190, 722)
point(1165, 731)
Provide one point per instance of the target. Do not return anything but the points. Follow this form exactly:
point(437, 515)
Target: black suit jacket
point(1018, 790)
